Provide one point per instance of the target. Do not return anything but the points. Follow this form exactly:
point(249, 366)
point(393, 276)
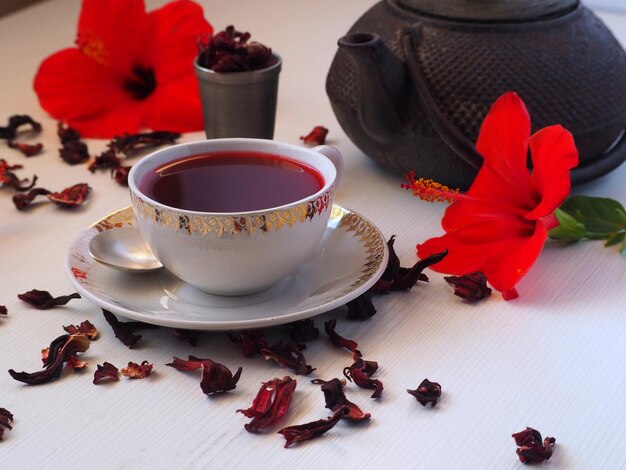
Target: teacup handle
point(334, 156)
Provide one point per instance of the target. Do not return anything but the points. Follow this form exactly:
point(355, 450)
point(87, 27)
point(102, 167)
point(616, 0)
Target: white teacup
point(241, 252)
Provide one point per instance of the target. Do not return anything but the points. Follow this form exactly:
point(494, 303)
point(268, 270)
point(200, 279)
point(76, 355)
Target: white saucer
point(352, 261)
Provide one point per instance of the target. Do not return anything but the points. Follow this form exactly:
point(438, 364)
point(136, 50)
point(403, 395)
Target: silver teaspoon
point(123, 248)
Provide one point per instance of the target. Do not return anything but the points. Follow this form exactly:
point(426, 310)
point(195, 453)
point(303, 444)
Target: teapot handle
point(464, 148)
point(451, 136)
point(609, 160)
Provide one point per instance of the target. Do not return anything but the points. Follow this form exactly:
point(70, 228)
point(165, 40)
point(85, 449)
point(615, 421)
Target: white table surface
point(552, 359)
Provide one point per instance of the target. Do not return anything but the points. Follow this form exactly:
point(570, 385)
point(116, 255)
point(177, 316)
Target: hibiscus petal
point(174, 30)
point(493, 230)
point(503, 261)
point(507, 269)
point(503, 137)
point(461, 259)
point(475, 221)
point(554, 153)
point(86, 95)
point(175, 106)
point(503, 144)
point(113, 32)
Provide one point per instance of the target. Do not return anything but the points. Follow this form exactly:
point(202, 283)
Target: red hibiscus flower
point(500, 225)
point(130, 69)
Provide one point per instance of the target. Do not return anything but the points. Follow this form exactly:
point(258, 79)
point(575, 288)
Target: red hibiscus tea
point(231, 182)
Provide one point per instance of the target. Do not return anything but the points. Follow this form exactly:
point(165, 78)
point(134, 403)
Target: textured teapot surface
point(491, 10)
point(411, 89)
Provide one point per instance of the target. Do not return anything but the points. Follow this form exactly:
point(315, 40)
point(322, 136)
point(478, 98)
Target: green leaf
point(600, 216)
point(569, 228)
point(615, 238)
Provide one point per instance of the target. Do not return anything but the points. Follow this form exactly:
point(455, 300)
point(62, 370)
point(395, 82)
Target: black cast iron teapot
point(413, 80)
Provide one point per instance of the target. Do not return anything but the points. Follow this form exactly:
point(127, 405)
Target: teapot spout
point(382, 85)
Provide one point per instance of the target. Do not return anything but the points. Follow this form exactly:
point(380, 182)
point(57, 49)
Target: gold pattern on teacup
point(353, 223)
point(225, 225)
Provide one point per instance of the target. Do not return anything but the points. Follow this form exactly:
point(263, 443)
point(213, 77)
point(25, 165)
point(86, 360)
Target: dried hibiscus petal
point(308, 431)
point(60, 350)
point(86, 327)
point(335, 398)
point(10, 179)
point(230, 64)
point(74, 152)
point(392, 271)
point(120, 174)
point(4, 166)
point(270, 404)
point(188, 336)
point(72, 196)
point(258, 56)
point(316, 137)
point(128, 143)
point(393, 265)
point(6, 417)
point(74, 363)
point(531, 448)
point(303, 331)
point(339, 340)
point(15, 122)
point(137, 371)
point(471, 287)
point(29, 150)
point(216, 377)
point(107, 159)
point(229, 51)
point(408, 277)
point(106, 372)
point(427, 392)
point(18, 120)
point(49, 354)
point(361, 308)
point(251, 342)
point(360, 373)
point(23, 201)
point(396, 277)
point(45, 352)
point(125, 331)
point(67, 133)
point(288, 354)
point(43, 300)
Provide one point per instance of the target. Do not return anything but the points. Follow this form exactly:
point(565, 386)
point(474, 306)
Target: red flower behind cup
point(500, 225)
point(130, 69)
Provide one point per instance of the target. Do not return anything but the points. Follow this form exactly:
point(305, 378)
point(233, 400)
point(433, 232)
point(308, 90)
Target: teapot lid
point(491, 10)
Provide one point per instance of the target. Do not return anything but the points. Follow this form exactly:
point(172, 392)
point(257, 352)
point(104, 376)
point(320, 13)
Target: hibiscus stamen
point(429, 190)
point(93, 47)
point(141, 83)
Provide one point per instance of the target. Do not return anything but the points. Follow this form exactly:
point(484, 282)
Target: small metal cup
point(239, 104)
